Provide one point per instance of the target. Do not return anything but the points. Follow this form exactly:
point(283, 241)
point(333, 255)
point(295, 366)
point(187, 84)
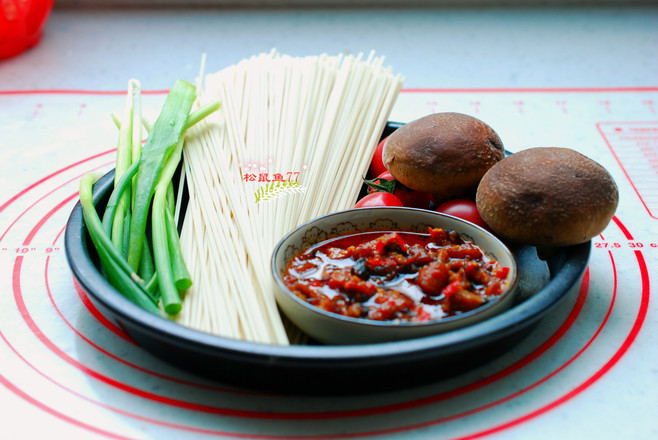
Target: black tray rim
point(572, 261)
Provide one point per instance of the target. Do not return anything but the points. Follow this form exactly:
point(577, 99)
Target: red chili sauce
point(396, 276)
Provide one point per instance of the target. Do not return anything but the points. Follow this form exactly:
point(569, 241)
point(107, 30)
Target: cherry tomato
point(465, 209)
point(382, 179)
point(377, 164)
point(379, 199)
point(409, 197)
point(413, 198)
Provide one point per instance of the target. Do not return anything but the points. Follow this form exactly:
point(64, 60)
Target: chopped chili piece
point(433, 277)
point(396, 276)
point(452, 288)
point(463, 300)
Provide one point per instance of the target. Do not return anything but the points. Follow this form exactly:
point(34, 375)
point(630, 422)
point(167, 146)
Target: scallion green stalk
point(163, 137)
point(163, 259)
point(127, 281)
point(124, 160)
point(146, 269)
point(119, 189)
point(182, 278)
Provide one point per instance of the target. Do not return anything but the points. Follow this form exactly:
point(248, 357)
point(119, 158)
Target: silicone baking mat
point(589, 369)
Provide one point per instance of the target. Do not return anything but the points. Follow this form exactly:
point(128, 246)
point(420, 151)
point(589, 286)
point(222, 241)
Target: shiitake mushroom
point(547, 197)
point(445, 154)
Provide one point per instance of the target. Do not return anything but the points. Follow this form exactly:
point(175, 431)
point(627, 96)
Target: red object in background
point(21, 24)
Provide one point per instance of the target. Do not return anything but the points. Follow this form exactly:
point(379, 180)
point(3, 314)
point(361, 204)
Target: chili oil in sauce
point(396, 276)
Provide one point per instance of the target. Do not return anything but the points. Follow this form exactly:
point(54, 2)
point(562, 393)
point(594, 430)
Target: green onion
point(125, 279)
point(182, 278)
point(152, 285)
point(142, 187)
point(124, 160)
point(170, 297)
point(171, 198)
point(163, 259)
point(201, 113)
point(146, 269)
point(119, 188)
point(163, 137)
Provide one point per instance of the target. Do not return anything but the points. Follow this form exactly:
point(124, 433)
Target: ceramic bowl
point(332, 328)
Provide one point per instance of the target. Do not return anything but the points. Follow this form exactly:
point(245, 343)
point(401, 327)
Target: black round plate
point(318, 369)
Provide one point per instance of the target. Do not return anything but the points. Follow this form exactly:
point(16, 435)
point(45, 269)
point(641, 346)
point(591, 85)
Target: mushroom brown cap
point(547, 197)
point(445, 154)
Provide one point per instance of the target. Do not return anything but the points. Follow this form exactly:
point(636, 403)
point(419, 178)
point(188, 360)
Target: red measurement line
point(45, 218)
point(78, 92)
point(623, 228)
point(85, 300)
point(119, 411)
point(404, 90)
point(566, 325)
point(99, 316)
point(48, 177)
point(25, 396)
point(66, 418)
point(46, 195)
point(531, 90)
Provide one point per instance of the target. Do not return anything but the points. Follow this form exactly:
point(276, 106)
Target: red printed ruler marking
point(635, 147)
